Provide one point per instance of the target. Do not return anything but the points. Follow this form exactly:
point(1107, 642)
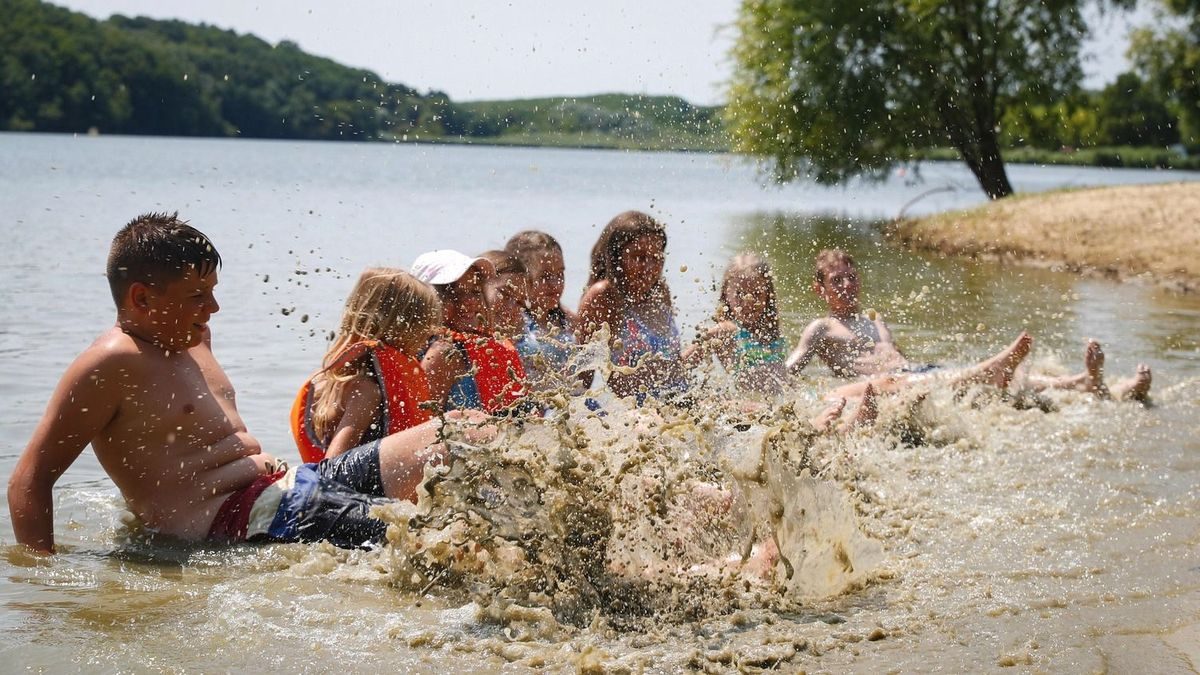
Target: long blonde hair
point(388, 305)
point(747, 265)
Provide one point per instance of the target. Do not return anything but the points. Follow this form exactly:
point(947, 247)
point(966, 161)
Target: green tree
point(836, 88)
point(1130, 114)
point(1168, 55)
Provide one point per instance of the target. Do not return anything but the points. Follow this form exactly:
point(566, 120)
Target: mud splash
point(636, 516)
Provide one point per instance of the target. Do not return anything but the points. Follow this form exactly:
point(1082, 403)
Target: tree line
point(62, 71)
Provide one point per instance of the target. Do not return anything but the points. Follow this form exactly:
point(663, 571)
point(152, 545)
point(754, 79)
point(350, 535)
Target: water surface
point(1061, 541)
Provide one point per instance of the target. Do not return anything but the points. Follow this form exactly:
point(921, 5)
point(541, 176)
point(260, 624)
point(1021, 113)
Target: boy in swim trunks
point(160, 414)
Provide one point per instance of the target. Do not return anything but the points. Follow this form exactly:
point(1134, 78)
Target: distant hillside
point(64, 71)
point(605, 120)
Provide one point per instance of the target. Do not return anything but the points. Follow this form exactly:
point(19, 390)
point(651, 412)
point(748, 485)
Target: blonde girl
point(370, 383)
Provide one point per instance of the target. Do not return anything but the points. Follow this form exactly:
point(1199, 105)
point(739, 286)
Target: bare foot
point(1093, 363)
point(868, 410)
point(824, 422)
point(998, 370)
point(1136, 388)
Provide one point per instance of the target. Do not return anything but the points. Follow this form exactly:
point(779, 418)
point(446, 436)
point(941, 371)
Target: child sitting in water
point(468, 368)
point(627, 293)
point(746, 338)
point(855, 345)
point(507, 295)
point(161, 416)
point(370, 383)
point(549, 335)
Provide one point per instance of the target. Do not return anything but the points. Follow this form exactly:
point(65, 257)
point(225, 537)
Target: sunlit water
point(961, 534)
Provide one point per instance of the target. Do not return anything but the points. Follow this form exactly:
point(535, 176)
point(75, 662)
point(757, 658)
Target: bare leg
point(1091, 380)
point(824, 421)
point(1136, 388)
point(403, 455)
point(881, 384)
point(998, 370)
point(868, 410)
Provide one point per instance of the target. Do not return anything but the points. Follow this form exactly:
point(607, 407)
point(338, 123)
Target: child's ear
point(138, 295)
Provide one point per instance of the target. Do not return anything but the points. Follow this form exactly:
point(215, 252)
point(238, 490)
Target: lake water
point(1061, 541)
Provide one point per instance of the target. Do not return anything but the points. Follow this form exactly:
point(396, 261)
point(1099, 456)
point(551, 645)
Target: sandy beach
point(1148, 232)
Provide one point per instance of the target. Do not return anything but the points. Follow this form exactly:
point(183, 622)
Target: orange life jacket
point(496, 367)
point(401, 380)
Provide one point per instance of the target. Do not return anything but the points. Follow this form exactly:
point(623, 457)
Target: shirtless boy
point(160, 414)
point(854, 345)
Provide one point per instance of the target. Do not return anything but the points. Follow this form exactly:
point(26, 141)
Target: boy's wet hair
point(505, 262)
point(829, 258)
point(156, 249)
point(528, 245)
point(616, 237)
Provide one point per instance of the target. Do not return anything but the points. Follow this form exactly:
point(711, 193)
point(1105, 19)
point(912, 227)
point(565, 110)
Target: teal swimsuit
point(748, 352)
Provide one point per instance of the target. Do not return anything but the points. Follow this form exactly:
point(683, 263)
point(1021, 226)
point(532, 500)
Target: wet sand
point(1148, 232)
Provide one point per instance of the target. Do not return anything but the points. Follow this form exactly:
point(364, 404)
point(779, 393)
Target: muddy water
point(961, 533)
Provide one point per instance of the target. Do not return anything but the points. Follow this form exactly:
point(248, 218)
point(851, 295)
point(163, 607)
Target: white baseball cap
point(445, 266)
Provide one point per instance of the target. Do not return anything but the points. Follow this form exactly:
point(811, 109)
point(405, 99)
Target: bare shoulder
point(599, 305)
point(113, 352)
point(599, 292)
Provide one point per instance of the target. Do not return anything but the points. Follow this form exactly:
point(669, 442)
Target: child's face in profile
point(840, 287)
point(465, 306)
point(746, 296)
point(546, 282)
point(641, 264)
point(176, 316)
point(507, 295)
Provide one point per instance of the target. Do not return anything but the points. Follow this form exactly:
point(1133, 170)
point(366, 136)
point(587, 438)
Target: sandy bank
point(1133, 231)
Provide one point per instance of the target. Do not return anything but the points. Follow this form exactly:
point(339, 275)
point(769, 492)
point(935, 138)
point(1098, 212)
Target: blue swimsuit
point(554, 342)
point(639, 341)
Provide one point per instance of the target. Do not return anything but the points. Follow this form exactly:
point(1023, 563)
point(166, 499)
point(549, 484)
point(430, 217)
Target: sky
point(492, 49)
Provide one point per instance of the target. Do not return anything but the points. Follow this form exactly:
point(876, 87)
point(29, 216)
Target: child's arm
point(444, 365)
point(885, 333)
point(84, 402)
point(360, 409)
point(596, 309)
point(572, 318)
point(716, 340)
point(813, 334)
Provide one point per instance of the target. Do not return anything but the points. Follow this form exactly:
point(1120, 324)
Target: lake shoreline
point(1148, 233)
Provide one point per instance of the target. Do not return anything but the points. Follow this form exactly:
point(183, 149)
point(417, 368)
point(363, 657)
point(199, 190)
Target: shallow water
point(1061, 541)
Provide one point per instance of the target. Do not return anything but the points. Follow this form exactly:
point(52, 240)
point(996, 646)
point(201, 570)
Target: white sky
point(492, 49)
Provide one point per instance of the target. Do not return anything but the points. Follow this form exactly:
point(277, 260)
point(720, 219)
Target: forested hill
point(604, 120)
point(64, 71)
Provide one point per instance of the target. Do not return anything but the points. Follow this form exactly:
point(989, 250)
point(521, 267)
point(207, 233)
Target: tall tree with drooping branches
point(838, 88)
